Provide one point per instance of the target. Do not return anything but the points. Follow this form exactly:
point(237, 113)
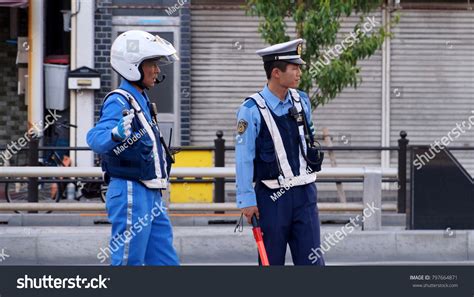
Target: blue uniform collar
point(272, 100)
point(127, 86)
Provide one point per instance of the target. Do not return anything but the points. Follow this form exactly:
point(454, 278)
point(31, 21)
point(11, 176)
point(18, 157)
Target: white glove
point(124, 127)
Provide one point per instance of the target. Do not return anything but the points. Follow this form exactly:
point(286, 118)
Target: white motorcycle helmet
point(133, 47)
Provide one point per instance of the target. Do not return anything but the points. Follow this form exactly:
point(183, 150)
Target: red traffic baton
point(257, 233)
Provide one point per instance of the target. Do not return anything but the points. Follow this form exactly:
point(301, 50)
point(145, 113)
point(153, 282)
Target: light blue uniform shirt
point(245, 142)
point(99, 138)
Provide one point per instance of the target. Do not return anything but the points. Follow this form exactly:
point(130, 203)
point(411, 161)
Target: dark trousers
point(291, 219)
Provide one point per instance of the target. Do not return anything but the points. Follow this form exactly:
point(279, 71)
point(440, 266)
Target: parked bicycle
point(56, 189)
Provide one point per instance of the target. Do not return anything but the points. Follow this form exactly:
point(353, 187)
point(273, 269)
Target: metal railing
point(220, 150)
point(40, 171)
point(400, 177)
point(372, 178)
point(221, 175)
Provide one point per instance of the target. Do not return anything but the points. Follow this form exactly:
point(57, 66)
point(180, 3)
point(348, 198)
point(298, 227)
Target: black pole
point(33, 161)
point(402, 172)
point(219, 161)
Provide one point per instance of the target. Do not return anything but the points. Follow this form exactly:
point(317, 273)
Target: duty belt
point(290, 181)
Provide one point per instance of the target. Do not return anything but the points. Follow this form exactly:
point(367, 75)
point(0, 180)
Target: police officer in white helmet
point(134, 155)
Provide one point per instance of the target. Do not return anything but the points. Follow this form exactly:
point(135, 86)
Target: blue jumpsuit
point(292, 218)
point(141, 229)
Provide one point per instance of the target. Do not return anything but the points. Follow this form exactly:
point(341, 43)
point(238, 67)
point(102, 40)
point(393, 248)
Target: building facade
point(421, 81)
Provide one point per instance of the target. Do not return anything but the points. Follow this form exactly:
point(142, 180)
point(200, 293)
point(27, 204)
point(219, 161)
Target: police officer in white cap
point(275, 149)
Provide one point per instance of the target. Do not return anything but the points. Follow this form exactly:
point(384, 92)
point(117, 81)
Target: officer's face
point(150, 72)
point(291, 77)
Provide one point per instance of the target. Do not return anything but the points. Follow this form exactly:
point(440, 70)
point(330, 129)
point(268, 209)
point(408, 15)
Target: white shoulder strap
point(118, 91)
point(296, 97)
point(275, 133)
point(299, 106)
point(259, 100)
point(129, 98)
point(148, 129)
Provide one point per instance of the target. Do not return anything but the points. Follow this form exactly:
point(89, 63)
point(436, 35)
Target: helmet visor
point(165, 60)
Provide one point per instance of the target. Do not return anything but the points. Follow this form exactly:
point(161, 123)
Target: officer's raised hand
point(124, 127)
point(249, 212)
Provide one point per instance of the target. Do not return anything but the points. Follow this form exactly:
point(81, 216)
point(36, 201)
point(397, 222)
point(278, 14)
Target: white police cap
point(287, 51)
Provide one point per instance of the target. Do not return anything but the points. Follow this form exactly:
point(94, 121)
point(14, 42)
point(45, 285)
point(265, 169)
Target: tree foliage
point(318, 22)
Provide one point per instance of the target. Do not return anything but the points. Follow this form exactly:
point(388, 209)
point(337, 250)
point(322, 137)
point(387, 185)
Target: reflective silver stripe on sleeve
point(126, 248)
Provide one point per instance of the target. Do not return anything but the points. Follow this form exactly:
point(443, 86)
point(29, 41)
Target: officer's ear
point(276, 73)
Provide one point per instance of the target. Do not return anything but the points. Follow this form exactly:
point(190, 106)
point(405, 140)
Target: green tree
point(318, 22)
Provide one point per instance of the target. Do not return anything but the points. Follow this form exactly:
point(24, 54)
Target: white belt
point(290, 181)
point(157, 183)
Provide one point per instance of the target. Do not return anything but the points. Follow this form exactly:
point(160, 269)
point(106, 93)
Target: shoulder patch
point(242, 126)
